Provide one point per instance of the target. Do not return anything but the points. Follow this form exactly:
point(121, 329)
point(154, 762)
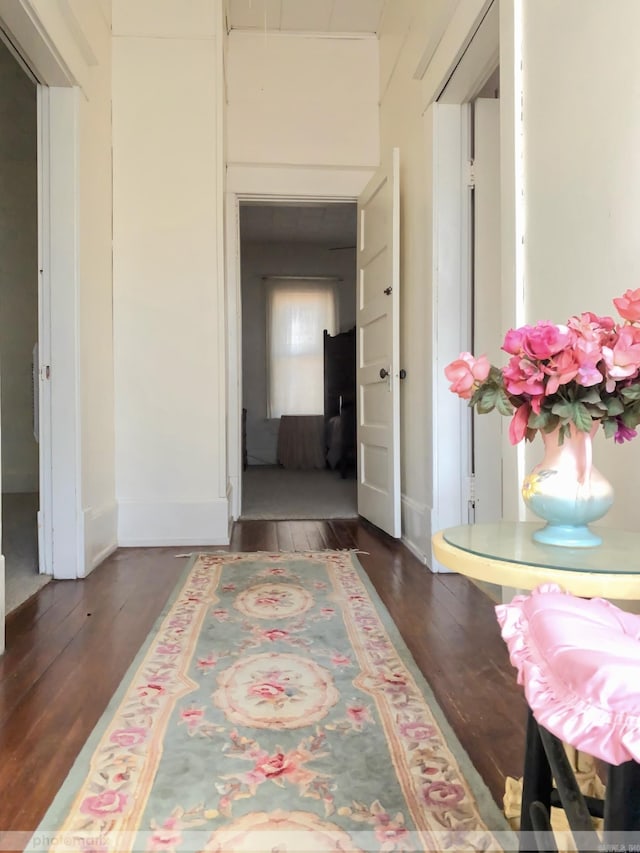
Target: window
point(298, 311)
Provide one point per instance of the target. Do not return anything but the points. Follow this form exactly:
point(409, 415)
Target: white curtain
point(298, 311)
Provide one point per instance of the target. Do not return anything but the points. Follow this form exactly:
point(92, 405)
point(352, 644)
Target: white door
point(487, 330)
point(378, 349)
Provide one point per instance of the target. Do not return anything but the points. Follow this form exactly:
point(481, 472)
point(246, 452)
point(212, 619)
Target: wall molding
point(100, 526)
point(454, 41)
point(416, 527)
point(153, 523)
point(283, 181)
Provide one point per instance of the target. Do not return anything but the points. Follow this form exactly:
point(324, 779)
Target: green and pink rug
point(274, 708)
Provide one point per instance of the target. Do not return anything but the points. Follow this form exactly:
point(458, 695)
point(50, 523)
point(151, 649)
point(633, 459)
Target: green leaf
point(581, 417)
point(540, 421)
point(563, 409)
point(631, 392)
point(597, 405)
point(615, 406)
point(631, 416)
point(573, 412)
point(503, 403)
point(487, 401)
point(591, 395)
point(610, 428)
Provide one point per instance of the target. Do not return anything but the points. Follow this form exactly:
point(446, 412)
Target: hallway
point(69, 646)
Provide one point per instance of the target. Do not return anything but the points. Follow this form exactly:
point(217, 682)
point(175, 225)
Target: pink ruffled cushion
point(579, 662)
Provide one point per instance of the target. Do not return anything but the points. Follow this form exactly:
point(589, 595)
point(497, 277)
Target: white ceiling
point(322, 224)
point(308, 16)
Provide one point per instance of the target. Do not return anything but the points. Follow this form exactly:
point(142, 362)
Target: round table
point(505, 553)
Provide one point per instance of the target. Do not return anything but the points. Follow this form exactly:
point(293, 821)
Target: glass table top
point(513, 543)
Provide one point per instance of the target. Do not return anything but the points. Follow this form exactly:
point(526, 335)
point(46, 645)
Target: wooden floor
point(69, 646)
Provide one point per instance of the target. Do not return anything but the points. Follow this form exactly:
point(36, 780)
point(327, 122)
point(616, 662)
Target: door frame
point(462, 64)
point(59, 335)
point(58, 94)
point(274, 185)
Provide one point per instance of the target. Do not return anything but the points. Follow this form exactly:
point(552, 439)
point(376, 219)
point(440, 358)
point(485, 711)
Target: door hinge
point(471, 489)
point(471, 174)
point(45, 372)
point(471, 499)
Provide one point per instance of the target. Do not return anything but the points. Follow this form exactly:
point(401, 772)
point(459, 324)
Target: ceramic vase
point(567, 491)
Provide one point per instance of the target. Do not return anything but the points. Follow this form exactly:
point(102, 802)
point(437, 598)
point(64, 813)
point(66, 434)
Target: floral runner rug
point(274, 708)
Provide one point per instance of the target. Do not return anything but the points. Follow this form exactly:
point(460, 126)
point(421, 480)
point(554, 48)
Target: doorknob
point(383, 373)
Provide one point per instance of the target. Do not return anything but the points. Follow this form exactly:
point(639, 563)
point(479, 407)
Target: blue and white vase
point(567, 491)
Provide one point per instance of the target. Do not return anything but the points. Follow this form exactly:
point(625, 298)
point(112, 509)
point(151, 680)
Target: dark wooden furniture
point(340, 399)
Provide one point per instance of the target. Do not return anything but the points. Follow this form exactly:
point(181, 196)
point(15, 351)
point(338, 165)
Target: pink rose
point(546, 339)
point(151, 689)
point(192, 715)
point(275, 765)
point(129, 737)
point(514, 339)
point(389, 832)
point(168, 649)
point(623, 359)
point(274, 634)
point(417, 730)
point(561, 369)
point(268, 690)
point(522, 376)
point(628, 305)
point(210, 662)
point(221, 614)
point(465, 373)
point(167, 837)
point(104, 804)
point(443, 794)
point(359, 713)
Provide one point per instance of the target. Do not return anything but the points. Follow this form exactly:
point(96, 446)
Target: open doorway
point(298, 274)
point(19, 330)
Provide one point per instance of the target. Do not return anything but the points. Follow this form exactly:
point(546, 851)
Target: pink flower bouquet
point(558, 375)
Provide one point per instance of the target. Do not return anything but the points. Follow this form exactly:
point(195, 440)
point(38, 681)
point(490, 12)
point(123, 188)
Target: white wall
point(18, 274)
point(582, 180)
point(259, 259)
point(168, 290)
point(298, 100)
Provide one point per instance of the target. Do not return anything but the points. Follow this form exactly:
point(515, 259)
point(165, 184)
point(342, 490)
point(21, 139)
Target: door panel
point(487, 331)
point(378, 349)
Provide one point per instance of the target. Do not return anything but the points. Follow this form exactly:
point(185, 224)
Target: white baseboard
point(100, 535)
point(154, 523)
point(415, 519)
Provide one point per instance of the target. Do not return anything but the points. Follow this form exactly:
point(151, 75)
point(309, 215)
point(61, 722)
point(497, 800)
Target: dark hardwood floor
point(69, 646)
